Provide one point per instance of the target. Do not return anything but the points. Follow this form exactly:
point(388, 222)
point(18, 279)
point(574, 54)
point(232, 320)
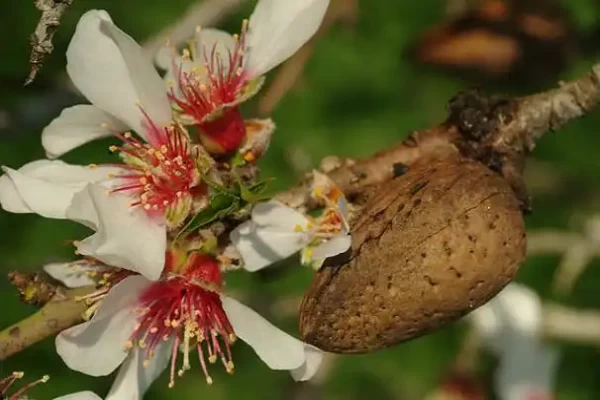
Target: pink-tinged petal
point(276, 348)
point(262, 246)
point(98, 347)
point(47, 187)
point(76, 126)
point(71, 274)
point(313, 358)
point(134, 379)
point(108, 67)
point(125, 237)
point(80, 396)
point(277, 29)
point(334, 246)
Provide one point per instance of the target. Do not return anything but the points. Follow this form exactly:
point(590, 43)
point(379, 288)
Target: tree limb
point(41, 38)
point(60, 312)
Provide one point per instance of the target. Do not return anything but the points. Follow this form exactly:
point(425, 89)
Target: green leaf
point(253, 193)
point(221, 204)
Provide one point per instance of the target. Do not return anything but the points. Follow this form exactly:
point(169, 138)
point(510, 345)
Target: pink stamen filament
point(184, 311)
point(7, 382)
point(157, 173)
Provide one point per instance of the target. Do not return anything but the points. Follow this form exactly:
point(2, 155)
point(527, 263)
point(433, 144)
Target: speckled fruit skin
point(429, 247)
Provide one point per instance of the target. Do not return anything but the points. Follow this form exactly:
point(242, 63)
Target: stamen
point(7, 382)
point(156, 171)
point(187, 308)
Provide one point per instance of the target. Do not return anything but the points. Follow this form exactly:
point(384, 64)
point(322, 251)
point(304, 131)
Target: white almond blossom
point(510, 325)
point(219, 71)
point(277, 231)
point(160, 170)
point(143, 326)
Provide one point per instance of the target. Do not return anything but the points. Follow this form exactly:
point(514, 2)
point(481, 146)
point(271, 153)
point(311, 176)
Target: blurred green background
point(359, 94)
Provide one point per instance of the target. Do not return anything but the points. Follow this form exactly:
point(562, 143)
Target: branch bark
point(497, 132)
point(60, 312)
point(41, 38)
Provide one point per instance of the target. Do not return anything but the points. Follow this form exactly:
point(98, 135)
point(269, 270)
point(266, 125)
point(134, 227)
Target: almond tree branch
point(497, 132)
point(60, 311)
point(41, 38)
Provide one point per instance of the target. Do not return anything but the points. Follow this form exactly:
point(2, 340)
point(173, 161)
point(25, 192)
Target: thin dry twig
point(41, 38)
point(577, 250)
point(498, 134)
point(571, 325)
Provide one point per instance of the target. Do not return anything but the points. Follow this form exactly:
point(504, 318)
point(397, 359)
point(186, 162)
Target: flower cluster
point(180, 206)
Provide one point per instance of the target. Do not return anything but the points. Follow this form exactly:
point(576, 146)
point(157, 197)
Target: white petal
point(125, 237)
point(262, 246)
point(334, 246)
point(134, 379)
point(313, 358)
point(278, 216)
point(527, 371)
point(278, 29)
point(80, 396)
point(97, 347)
point(71, 274)
point(46, 187)
point(76, 126)
point(276, 348)
point(109, 69)
point(515, 312)
point(10, 199)
point(146, 80)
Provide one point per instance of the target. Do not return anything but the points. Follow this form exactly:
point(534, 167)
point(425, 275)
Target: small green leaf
point(221, 204)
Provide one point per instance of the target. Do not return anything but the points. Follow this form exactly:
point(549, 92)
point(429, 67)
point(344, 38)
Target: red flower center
point(218, 83)
point(186, 308)
point(215, 86)
point(160, 172)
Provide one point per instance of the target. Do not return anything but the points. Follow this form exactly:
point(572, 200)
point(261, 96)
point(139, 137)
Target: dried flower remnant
point(7, 383)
